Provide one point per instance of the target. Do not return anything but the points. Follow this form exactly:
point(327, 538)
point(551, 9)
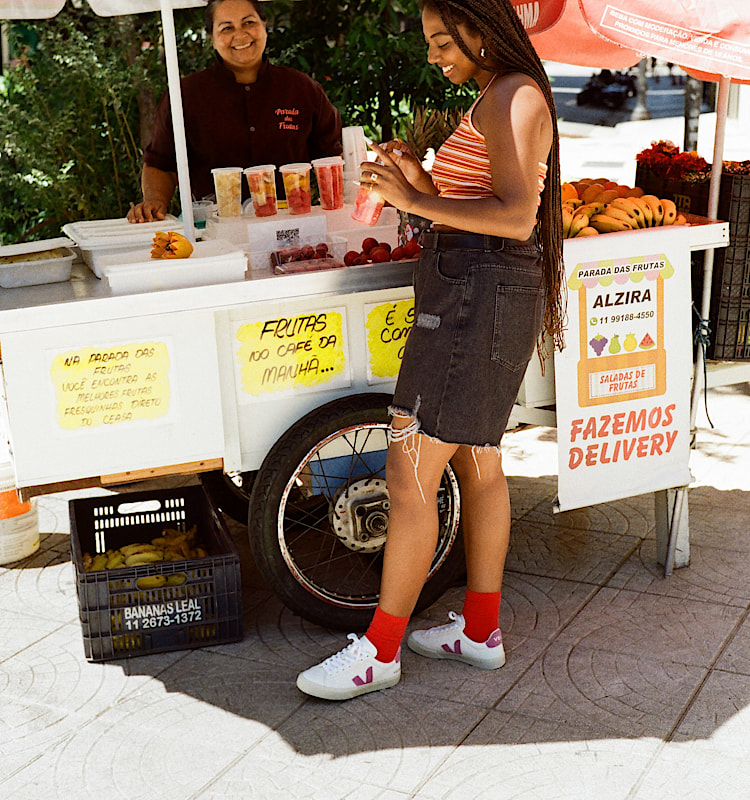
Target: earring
point(483, 53)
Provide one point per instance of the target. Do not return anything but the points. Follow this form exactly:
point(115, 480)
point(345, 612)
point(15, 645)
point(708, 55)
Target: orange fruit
point(592, 192)
point(568, 192)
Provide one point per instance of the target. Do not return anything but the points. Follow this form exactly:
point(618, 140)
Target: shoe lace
point(346, 657)
point(440, 630)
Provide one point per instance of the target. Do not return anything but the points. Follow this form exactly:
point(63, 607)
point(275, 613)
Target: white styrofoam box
point(33, 269)
point(214, 261)
point(98, 239)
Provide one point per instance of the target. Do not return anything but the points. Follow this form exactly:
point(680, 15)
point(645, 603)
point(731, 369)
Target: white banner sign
point(623, 381)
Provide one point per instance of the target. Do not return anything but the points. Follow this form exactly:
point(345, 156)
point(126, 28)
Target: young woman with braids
point(487, 285)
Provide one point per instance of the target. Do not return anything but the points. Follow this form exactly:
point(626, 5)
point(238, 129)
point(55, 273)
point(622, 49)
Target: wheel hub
point(359, 515)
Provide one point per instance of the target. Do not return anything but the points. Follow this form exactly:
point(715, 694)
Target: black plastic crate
point(730, 283)
point(120, 619)
point(730, 338)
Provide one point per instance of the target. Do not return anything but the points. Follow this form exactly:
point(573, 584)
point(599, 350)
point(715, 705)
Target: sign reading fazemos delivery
point(623, 381)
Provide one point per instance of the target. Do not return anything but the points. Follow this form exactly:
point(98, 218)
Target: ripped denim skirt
point(478, 310)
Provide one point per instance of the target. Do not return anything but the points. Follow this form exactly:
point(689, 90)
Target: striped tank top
point(461, 168)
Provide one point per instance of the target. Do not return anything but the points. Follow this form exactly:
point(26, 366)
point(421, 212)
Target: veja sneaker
point(449, 641)
point(350, 672)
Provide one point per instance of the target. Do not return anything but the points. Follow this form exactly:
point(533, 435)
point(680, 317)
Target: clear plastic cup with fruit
point(262, 185)
point(297, 187)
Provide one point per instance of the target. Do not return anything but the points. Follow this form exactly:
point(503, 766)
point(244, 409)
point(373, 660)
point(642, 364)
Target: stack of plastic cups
point(355, 152)
point(19, 521)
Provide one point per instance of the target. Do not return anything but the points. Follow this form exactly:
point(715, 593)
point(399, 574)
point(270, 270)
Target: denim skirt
point(478, 310)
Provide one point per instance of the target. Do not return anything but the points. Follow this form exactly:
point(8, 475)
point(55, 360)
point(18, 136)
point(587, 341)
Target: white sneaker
point(449, 641)
point(350, 672)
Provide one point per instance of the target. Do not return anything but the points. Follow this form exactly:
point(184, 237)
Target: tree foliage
point(76, 108)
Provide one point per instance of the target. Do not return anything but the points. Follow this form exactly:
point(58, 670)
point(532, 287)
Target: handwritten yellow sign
point(388, 325)
point(111, 385)
point(282, 353)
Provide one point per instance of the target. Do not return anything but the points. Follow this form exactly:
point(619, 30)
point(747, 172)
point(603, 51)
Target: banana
point(573, 203)
point(657, 209)
point(173, 555)
point(618, 213)
point(646, 209)
point(99, 562)
point(606, 224)
point(138, 547)
point(567, 218)
point(587, 231)
point(579, 222)
point(630, 206)
point(681, 220)
point(670, 212)
point(149, 557)
point(115, 560)
point(152, 582)
point(589, 209)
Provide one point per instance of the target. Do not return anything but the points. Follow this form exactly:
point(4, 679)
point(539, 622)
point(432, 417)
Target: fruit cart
point(274, 388)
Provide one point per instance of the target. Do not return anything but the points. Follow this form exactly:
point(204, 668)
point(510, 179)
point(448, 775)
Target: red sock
point(386, 633)
point(481, 612)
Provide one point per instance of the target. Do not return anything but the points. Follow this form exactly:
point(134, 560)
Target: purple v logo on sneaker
point(496, 639)
point(368, 678)
point(456, 649)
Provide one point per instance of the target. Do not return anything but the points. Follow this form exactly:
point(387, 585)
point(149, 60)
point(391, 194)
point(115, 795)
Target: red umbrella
point(539, 15)
point(569, 40)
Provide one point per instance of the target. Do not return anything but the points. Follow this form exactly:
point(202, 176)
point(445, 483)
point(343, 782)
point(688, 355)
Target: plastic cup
point(367, 205)
point(329, 173)
point(354, 146)
point(228, 185)
point(262, 185)
point(297, 187)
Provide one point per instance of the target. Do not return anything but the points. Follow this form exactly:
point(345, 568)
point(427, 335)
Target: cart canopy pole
point(722, 106)
point(178, 120)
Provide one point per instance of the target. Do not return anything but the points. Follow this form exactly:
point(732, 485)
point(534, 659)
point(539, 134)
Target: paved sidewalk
point(619, 683)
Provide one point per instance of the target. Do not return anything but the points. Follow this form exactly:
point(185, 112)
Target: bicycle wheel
point(319, 515)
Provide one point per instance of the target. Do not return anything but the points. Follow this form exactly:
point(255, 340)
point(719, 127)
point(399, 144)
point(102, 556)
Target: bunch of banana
point(634, 213)
point(577, 217)
point(172, 545)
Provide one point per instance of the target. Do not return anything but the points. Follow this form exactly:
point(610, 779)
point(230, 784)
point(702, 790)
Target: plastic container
point(368, 205)
point(213, 261)
point(329, 173)
point(100, 238)
point(297, 187)
point(228, 186)
point(201, 607)
point(262, 184)
point(309, 255)
point(19, 521)
point(34, 269)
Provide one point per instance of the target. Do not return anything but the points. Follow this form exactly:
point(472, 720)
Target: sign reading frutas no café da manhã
point(623, 380)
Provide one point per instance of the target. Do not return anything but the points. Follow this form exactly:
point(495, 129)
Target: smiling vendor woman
point(240, 112)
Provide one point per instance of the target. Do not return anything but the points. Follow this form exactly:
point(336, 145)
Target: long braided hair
point(507, 44)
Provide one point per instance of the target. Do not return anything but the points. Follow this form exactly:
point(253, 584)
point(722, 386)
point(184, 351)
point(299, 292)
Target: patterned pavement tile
point(719, 518)
point(632, 516)
point(43, 585)
point(150, 745)
point(527, 493)
point(574, 553)
point(714, 575)
point(719, 717)
point(652, 627)
point(694, 771)
point(383, 740)
point(736, 656)
point(612, 694)
point(512, 757)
